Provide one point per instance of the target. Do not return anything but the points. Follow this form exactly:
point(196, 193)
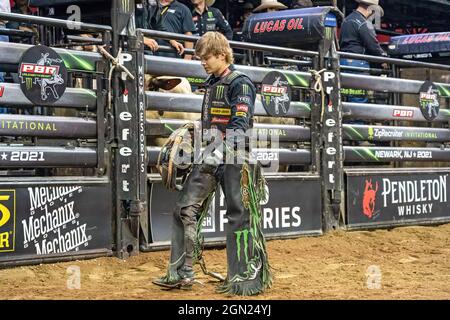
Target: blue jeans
point(2, 75)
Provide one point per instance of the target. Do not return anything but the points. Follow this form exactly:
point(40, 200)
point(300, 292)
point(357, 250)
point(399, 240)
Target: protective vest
point(216, 108)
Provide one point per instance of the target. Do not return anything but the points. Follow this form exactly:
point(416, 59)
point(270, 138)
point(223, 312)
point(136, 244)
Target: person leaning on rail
point(207, 18)
point(358, 36)
point(227, 114)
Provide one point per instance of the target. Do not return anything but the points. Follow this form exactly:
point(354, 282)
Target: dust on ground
point(413, 263)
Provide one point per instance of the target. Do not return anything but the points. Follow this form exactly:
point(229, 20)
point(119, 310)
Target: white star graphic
point(4, 156)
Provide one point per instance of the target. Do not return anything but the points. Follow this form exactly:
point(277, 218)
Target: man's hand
point(178, 46)
point(152, 44)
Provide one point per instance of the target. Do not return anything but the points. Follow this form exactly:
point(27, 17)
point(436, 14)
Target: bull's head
point(165, 84)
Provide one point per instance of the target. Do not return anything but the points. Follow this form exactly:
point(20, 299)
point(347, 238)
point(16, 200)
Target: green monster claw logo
point(125, 5)
point(29, 83)
point(219, 92)
point(370, 131)
point(242, 234)
point(245, 89)
point(210, 14)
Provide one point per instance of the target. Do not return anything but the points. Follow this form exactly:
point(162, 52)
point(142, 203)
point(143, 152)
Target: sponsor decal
point(403, 154)
point(221, 111)
point(426, 38)
point(429, 100)
point(278, 25)
point(244, 99)
point(43, 75)
point(2, 90)
point(271, 132)
point(241, 114)
point(400, 113)
point(220, 120)
point(369, 198)
point(242, 107)
point(220, 91)
point(384, 133)
point(276, 94)
point(28, 125)
point(125, 5)
point(7, 220)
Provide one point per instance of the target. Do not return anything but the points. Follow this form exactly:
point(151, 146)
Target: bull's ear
point(168, 84)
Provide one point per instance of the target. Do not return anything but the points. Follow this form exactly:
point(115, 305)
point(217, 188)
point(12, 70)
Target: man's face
point(213, 64)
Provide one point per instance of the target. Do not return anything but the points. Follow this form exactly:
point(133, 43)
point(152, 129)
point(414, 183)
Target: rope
point(115, 64)
point(318, 87)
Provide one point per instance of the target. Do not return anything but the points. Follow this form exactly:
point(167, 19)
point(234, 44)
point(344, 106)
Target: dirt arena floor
point(402, 263)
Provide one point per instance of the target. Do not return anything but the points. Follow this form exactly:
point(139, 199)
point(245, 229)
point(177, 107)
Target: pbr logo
point(429, 100)
point(369, 198)
point(7, 220)
point(43, 75)
point(276, 94)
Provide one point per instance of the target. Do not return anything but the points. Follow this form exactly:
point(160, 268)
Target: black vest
point(216, 108)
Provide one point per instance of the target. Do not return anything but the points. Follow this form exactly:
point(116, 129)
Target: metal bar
point(67, 24)
point(172, 49)
point(399, 62)
point(366, 111)
point(17, 33)
point(359, 69)
point(233, 44)
point(42, 126)
point(184, 68)
point(83, 39)
point(290, 61)
point(47, 157)
point(160, 101)
point(164, 127)
point(11, 53)
point(73, 98)
point(354, 132)
point(387, 154)
point(285, 156)
point(357, 81)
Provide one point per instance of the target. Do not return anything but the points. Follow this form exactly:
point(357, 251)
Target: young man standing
point(227, 113)
point(206, 18)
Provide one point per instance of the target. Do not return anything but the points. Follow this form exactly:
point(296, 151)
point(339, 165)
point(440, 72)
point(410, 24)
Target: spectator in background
point(248, 10)
point(206, 18)
point(269, 6)
point(148, 16)
point(176, 18)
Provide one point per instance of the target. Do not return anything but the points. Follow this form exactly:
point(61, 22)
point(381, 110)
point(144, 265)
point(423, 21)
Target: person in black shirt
point(148, 16)
point(358, 36)
point(206, 18)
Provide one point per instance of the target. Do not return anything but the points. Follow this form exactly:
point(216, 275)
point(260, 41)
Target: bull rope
point(318, 87)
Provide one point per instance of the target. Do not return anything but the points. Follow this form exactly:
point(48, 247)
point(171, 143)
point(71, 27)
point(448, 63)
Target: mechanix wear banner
point(276, 94)
point(43, 75)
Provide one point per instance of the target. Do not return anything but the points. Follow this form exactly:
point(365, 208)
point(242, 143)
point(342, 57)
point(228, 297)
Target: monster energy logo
point(29, 83)
point(244, 235)
point(125, 5)
point(370, 131)
point(328, 33)
point(210, 14)
point(219, 92)
point(245, 89)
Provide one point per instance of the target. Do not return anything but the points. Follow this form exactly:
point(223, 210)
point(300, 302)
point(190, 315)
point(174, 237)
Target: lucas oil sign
point(43, 75)
point(393, 199)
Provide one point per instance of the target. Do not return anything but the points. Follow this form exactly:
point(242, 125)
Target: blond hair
point(214, 43)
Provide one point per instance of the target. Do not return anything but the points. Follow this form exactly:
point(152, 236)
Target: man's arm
point(188, 45)
point(242, 96)
point(223, 25)
point(370, 41)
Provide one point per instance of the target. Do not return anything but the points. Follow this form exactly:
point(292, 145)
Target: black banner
point(43, 75)
point(43, 220)
point(396, 198)
point(293, 208)
point(380, 154)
